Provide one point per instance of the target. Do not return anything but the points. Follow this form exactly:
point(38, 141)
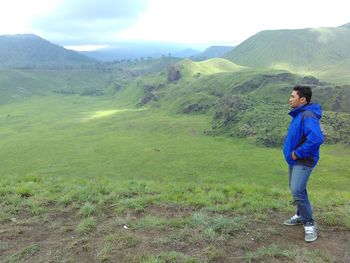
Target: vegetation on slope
point(31, 51)
point(304, 51)
point(246, 103)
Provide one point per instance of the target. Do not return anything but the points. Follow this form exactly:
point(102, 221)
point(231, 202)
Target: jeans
point(298, 178)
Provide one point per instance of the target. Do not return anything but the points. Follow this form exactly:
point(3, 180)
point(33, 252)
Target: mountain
point(140, 50)
point(304, 51)
point(213, 52)
point(186, 53)
point(31, 51)
point(346, 25)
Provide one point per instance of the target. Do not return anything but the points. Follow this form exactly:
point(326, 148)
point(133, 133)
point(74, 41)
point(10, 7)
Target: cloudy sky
point(196, 23)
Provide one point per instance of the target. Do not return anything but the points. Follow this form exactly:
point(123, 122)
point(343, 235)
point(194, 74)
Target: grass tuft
point(218, 224)
point(114, 243)
point(86, 226)
point(24, 254)
point(273, 252)
point(87, 210)
point(165, 257)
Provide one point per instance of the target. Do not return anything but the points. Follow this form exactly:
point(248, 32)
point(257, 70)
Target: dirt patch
point(55, 238)
point(331, 240)
point(53, 234)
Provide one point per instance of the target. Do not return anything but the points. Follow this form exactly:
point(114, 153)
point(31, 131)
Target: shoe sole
point(310, 240)
point(289, 224)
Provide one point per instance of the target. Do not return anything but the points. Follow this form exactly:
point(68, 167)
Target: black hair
point(304, 91)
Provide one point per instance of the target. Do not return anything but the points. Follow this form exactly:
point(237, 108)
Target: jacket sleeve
point(314, 137)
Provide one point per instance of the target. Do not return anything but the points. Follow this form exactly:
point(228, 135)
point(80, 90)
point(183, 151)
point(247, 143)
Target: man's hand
point(294, 157)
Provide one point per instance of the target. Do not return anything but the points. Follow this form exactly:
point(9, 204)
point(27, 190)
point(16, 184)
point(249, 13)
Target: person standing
point(301, 151)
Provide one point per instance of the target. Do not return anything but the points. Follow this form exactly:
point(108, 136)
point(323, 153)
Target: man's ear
point(303, 100)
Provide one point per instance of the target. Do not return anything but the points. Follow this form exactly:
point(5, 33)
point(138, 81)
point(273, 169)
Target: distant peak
point(220, 46)
point(21, 36)
point(346, 25)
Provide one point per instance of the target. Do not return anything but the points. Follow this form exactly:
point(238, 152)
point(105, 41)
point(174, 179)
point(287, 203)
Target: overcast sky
point(193, 22)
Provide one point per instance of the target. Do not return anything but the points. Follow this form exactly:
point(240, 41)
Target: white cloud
point(86, 47)
point(79, 22)
point(98, 22)
point(15, 15)
point(231, 21)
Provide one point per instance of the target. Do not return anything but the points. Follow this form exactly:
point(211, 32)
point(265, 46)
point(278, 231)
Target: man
point(301, 151)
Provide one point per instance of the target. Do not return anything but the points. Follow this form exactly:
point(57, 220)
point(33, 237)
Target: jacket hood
point(313, 107)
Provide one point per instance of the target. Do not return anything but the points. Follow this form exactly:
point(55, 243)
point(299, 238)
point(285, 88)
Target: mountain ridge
point(32, 51)
point(303, 51)
point(213, 52)
point(347, 25)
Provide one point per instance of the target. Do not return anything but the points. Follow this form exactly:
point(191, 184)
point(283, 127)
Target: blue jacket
point(304, 135)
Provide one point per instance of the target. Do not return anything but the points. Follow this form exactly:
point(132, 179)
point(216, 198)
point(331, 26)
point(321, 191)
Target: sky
point(91, 24)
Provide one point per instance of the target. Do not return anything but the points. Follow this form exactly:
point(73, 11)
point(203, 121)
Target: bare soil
point(58, 241)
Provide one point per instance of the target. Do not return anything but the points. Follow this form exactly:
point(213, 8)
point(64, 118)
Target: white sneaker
point(310, 232)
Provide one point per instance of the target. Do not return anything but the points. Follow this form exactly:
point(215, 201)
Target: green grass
point(165, 257)
point(108, 165)
point(126, 145)
point(62, 150)
point(191, 69)
point(114, 243)
point(87, 210)
point(218, 226)
point(273, 252)
point(24, 254)
point(86, 226)
point(337, 74)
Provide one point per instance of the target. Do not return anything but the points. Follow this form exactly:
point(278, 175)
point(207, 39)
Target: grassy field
point(86, 179)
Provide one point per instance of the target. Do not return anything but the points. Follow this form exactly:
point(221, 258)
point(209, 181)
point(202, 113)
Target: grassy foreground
point(100, 165)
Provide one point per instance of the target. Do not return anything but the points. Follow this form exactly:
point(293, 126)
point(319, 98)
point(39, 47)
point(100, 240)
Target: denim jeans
point(298, 179)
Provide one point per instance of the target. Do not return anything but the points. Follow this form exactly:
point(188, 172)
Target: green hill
point(304, 51)
point(215, 78)
point(240, 101)
point(19, 84)
point(212, 52)
point(190, 68)
point(337, 74)
point(225, 92)
point(103, 79)
point(31, 51)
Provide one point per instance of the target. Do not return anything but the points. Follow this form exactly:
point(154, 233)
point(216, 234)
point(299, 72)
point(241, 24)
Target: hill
point(186, 53)
point(240, 100)
point(304, 51)
point(347, 25)
point(212, 52)
point(31, 51)
point(236, 98)
point(140, 50)
point(207, 67)
point(337, 74)
point(95, 80)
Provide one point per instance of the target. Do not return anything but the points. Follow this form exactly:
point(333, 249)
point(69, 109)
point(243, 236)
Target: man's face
point(295, 101)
